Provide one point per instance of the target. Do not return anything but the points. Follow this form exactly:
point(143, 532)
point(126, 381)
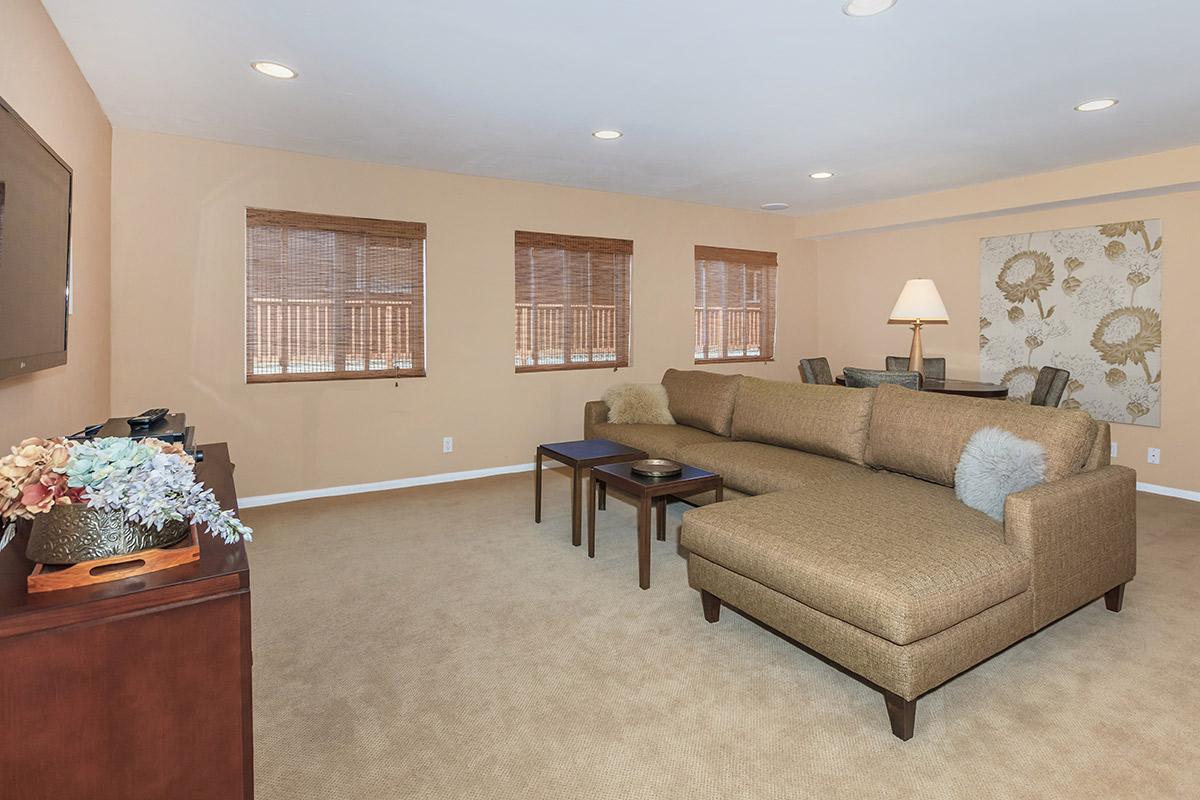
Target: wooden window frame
point(525, 243)
point(750, 263)
point(381, 232)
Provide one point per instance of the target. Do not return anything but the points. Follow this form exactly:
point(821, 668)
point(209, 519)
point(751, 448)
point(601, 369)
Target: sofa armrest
point(1079, 534)
point(594, 412)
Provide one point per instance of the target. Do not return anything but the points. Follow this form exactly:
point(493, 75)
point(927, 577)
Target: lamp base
point(916, 358)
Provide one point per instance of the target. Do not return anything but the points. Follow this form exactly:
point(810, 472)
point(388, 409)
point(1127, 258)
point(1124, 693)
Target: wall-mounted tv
point(35, 235)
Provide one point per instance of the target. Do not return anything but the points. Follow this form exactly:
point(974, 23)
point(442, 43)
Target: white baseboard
point(1185, 494)
point(380, 486)
point(471, 474)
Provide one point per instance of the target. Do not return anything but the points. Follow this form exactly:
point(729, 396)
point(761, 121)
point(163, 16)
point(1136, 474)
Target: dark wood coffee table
point(963, 388)
point(647, 492)
point(579, 455)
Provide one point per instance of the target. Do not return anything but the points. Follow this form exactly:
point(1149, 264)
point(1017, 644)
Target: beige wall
point(178, 287)
point(39, 79)
point(861, 274)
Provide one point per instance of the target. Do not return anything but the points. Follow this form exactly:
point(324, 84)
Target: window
point(332, 298)
point(735, 305)
point(572, 309)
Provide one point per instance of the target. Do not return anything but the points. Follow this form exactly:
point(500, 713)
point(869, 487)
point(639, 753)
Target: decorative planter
point(69, 534)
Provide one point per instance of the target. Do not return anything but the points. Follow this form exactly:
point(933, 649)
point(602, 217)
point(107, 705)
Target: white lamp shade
point(919, 300)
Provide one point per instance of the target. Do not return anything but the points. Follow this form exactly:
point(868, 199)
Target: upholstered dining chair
point(857, 378)
point(816, 370)
point(934, 367)
point(1051, 383)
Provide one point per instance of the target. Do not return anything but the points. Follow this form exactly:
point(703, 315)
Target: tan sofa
point(841, 528)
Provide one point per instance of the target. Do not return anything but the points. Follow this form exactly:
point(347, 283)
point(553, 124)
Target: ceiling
point(721, 102)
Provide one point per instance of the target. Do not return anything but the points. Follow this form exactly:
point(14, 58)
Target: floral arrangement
point(150, 481)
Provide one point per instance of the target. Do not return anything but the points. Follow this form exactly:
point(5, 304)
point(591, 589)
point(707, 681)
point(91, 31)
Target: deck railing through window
point(304, 332)
point(739, 330)
point(538, 338)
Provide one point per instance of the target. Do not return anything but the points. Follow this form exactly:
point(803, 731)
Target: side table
point(647, 491)
point(579, 455)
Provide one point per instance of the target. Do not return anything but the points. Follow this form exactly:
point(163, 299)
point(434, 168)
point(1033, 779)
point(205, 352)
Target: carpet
point(435, 643)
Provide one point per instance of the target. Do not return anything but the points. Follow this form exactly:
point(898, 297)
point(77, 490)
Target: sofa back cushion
point(825, 420)
point(701, 399)
point(923, 433)
point(1101, 448)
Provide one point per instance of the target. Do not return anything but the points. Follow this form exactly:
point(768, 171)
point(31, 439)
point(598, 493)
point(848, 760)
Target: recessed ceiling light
point(866, 8)
point(820, 176)
point(273, 70)
point(774, 206)
point(607, 134)
point(1097, 105)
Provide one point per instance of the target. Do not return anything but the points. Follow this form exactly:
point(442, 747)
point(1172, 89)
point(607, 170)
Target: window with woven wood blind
point(572, 303)
point(333, 298)
point(735, 304)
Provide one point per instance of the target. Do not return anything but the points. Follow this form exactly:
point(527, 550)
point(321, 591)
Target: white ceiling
point(722, 102)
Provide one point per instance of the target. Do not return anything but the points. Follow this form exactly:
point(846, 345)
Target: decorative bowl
point(69, 534)
point(656, 467)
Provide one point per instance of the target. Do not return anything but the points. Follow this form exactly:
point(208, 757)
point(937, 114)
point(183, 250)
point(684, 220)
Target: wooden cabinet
point(137, 689)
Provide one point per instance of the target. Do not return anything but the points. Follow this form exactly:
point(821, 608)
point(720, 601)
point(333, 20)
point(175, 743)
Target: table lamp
point(919, 304)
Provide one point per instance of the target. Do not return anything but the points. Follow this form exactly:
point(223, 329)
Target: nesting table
point(648, 492)
point(579, 455)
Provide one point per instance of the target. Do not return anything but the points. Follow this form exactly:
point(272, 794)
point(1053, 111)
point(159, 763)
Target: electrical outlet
point(1113, 452)
point(1153, 456)
point(447, 444)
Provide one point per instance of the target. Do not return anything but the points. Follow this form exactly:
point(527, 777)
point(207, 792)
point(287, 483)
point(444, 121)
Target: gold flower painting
point(1087, 300)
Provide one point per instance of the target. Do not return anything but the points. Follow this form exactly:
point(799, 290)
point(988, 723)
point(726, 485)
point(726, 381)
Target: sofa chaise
point(842, 530)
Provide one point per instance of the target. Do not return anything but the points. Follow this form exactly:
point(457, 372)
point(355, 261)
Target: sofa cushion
point(1101, 455)
point(923, 433)
point(896, 557)
point(756, 468)
point(659, 441)
point(701, 399)
point(826, 420)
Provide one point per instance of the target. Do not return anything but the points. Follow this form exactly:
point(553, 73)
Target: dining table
point(949, 386)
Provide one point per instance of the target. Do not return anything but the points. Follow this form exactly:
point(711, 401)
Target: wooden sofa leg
point(1114, 597)
point(902, 713)
point(712, 606)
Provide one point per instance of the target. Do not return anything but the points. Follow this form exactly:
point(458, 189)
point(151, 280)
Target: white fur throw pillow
point(638, 402)
point(994, 464)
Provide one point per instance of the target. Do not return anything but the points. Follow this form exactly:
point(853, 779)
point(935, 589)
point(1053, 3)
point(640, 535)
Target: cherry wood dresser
point(137, 689)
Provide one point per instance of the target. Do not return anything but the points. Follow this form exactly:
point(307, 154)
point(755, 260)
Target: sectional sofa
point(841, 528)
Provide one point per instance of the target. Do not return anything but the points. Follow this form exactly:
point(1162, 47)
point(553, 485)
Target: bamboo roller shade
point(333, 298)
point(753, 258)
point(578, 244)
point(735, 304)
point(572, 302)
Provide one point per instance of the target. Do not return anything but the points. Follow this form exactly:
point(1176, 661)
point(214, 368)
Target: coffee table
point(579, 455)
point(647, 492)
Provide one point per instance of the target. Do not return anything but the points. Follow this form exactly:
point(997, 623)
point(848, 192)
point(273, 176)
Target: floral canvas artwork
point(1087, 300)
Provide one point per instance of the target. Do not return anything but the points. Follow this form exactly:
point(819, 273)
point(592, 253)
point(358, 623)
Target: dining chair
point(1049, 388)
point(858, 378)
point(816, 370)
point(934, 367)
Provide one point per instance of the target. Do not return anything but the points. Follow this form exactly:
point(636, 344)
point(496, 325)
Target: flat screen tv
point(35, 235)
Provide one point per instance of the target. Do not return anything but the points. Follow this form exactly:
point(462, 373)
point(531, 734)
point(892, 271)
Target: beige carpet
point(435, 643)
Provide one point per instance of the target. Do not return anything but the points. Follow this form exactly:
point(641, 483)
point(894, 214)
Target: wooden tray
point(49, 577)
